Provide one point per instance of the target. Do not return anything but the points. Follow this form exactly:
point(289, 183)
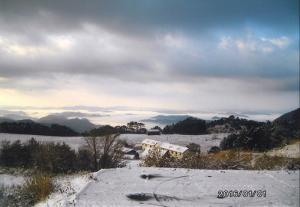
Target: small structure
point(130, 153)
point(149, 144)
point(173, 150)
point(153, 132)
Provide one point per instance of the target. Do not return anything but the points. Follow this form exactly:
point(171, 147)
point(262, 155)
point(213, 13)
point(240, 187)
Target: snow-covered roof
point(165, 145)
point(150, 142)
point(173, 147)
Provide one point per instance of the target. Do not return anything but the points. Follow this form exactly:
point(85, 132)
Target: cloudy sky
point(171, 56)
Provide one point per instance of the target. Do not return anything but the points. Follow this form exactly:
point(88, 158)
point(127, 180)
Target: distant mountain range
point(78, 125)
point(288, 124)
point(30, 127)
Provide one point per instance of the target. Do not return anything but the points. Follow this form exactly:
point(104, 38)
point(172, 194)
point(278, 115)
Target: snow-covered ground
point(205, 141)
point(67, 187)
point(183, 187)
point(292, 151)
point(7, 180)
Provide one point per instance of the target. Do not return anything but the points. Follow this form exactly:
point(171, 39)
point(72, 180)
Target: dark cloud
point(138, 15)
point(150, 46)
point(139, 29)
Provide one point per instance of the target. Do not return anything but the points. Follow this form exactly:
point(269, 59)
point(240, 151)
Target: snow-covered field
point(7, 180)
point(205, 141)
point(183, 187)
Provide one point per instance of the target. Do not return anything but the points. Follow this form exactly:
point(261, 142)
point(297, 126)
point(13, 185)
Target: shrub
point(84, 160)
point(155, 159)
point(14, 154)
point(266, 162)
point(37, 188)
point(56, 158)
point(230, 159)
point(49, 157)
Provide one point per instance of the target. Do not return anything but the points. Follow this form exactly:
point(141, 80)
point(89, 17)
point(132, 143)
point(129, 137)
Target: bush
point(84, 160)
point(55, 158)
point(230, 159)
point(46, 157)
point(37, 188)
point(266, 162)
point(155, 159)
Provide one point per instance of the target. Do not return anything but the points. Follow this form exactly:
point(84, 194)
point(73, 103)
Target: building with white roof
point(164, 147)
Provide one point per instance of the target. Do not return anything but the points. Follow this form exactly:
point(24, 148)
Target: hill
point(188, 126)
point(5, 119)
point(79, 125)
point(231, 125)
point(266, 136)
point(36, 129)
point(288, 124)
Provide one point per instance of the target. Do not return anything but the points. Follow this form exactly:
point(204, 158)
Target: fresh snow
point(7, 180)
point(184, 187)
point(67, 187)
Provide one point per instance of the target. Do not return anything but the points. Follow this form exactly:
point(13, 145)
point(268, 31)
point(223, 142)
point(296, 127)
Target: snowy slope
point(183, 187)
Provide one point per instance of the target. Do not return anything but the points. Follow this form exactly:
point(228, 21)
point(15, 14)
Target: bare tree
point(105, 149)
point(93, 143)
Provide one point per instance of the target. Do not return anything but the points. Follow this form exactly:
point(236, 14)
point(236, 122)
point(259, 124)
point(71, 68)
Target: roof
point(173, 147)
point(165, 145)
point(150, 142)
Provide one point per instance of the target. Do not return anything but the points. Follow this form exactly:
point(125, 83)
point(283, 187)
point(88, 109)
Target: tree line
point(99, 152)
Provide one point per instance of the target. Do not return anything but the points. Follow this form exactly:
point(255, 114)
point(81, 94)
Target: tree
point(105, 149)
point(188, 126)
point(93, 144)
point(135, 126)
point(157, 128)
point(111, 151)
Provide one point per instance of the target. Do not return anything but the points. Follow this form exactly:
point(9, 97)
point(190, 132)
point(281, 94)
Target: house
point(173, 150)
point(130, 153)
point(164, 148)
point(149, 144)
point(153, 132)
